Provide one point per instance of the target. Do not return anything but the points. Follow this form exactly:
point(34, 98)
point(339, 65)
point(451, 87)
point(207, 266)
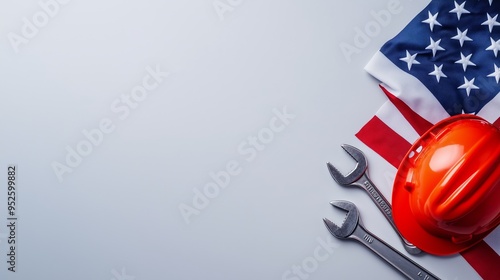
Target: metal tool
point(359, 177)
point(352, 228)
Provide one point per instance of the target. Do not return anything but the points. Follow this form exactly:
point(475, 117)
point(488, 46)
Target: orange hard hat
point(446, 194)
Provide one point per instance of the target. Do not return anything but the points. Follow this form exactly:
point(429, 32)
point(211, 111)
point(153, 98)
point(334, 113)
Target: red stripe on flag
point(418, 123)
point(384, 141)
point(483, 259)
point(497, 123)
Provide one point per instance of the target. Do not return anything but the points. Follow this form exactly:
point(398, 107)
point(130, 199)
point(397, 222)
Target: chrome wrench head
point(359, 170)
point(358, 177)
point(350, 223)
point(353, 228)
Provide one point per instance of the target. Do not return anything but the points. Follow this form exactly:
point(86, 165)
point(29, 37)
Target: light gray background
point(116, 216)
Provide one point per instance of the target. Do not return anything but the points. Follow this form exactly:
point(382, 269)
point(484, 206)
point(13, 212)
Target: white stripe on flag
point(493, 239)
point(391, 116)
point(490, 111)
point(406, 87)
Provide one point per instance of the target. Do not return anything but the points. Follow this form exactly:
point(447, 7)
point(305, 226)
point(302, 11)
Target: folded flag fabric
point(445, 62)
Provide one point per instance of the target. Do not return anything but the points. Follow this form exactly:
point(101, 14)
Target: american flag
point(446, 61)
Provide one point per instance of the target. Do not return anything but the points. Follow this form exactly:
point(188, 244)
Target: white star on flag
point(495, 74)
point(461, 36)
point(468, 85)
point(434, 46)
point(459, 10)
point(465, 61)
point(491, 22)
point(438, 72)
point(495, 46)
point(410, 59)
point(432, 20)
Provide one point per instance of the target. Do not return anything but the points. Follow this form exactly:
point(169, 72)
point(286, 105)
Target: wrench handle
point(385, 207)
point(377, 197)
point(403, 264)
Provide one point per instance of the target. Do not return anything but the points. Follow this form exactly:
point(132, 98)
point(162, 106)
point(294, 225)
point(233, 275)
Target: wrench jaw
point(333, 228)
point(350, 222)
point(337, 176)
point(356, 173)
point(357, 155)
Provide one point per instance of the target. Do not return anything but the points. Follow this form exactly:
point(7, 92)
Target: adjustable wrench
point(352, 228)
point(359, 177)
